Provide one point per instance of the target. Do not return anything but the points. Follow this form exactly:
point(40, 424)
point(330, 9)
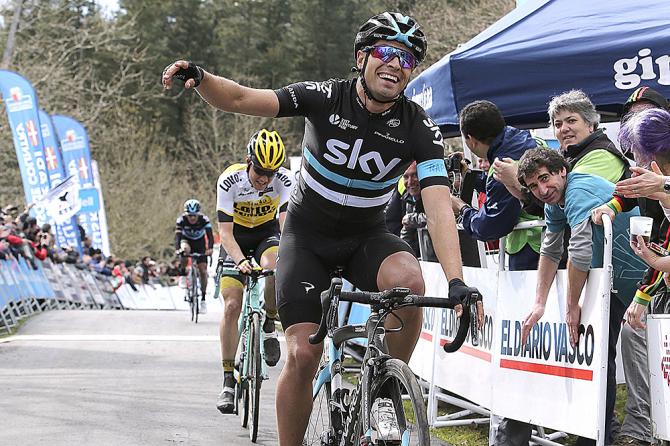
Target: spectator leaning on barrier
point(405, 214)
point(569, 198)
point(486, 135)
point(636, 428)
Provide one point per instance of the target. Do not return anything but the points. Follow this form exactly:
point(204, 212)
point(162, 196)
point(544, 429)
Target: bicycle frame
point(375, 353)
point(251, 304)
point(349, 417)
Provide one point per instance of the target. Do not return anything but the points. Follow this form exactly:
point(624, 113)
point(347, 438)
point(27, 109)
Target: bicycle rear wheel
point(395, 421)
point(255, 375)
point(319, 427)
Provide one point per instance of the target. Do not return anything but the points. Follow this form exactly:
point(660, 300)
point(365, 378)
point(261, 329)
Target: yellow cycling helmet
point(266, 150)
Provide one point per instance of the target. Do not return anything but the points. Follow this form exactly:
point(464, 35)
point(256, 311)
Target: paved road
point(119, 378)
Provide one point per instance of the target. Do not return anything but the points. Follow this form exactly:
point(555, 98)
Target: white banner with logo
point(548, 382)
point(658, 346)
point(466, 372)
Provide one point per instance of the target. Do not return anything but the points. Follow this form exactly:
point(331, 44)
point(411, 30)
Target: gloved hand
point(192, 72)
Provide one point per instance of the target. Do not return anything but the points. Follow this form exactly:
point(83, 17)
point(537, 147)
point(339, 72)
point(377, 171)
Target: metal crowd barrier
point(28, 288)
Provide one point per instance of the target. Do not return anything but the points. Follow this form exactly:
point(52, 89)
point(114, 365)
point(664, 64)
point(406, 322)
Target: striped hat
point(645, 94)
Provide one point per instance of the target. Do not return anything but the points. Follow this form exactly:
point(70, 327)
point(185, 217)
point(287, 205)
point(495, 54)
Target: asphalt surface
point(120, 378)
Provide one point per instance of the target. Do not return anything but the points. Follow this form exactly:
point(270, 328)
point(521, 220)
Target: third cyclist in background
point(193, 235)
point(251, 205)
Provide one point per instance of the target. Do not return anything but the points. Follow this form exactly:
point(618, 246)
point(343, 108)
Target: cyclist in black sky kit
point(193, 235)
point(360, 136)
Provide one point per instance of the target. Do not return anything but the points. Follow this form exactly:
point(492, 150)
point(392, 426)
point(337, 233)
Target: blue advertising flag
point(66, 232)
point(21, 103)
point(76, 155)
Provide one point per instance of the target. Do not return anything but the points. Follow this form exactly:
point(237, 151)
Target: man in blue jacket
point(486, 135)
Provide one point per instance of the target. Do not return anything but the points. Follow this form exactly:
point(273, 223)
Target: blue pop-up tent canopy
point(605, 47)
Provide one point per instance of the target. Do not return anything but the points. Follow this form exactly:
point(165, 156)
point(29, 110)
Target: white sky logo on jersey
point(337, 156)
point(322, 87)
point(395, 122)
point(436, 130)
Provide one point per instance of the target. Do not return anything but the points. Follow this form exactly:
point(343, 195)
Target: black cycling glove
point(458, 291)
point(192, 72)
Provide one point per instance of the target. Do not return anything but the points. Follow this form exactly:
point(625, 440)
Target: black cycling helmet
point(392, 26)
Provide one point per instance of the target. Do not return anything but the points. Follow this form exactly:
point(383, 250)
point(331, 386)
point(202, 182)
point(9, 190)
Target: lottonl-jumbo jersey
point(238, 201)
point(353, 159)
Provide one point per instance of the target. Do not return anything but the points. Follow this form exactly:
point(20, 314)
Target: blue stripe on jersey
point(431, 168)
point(344, 181)
point(193, 234)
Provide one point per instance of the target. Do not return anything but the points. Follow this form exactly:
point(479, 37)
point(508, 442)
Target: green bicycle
point(251, 369)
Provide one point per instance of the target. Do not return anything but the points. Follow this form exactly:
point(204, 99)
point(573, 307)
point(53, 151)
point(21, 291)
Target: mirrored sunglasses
point(387, 53)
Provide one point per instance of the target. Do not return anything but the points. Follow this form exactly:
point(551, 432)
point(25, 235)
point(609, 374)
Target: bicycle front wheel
point(255, 375)
point(397, 411)
point(319, 429)
point(190, 291)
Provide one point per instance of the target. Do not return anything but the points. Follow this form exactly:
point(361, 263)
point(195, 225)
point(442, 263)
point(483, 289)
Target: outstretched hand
point(643, 183)
point(186, 71)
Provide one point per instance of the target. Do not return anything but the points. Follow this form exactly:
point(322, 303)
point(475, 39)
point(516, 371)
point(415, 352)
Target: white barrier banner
point(126, 295)
point(658, 345)
point(177, 294)
point(547, 382)
point(159, 296)
point(466, 372)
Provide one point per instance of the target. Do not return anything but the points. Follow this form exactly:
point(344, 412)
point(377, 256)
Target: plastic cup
point(640, 226)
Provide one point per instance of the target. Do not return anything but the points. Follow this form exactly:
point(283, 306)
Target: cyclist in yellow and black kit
point(252, 198)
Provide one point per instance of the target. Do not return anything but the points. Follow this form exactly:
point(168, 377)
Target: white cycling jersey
point(238, 201)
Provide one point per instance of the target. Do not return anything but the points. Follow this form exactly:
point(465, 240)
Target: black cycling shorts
point(198, 246)
point(307, 257)
point(252, 244)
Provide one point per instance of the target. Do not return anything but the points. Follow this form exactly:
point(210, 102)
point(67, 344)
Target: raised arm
point(220, 92)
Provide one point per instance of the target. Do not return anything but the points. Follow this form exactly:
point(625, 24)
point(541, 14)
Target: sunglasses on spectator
point(387, 53)
point(263, 172)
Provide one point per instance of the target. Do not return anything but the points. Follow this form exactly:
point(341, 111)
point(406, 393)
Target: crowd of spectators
point(22, 237)
point(571, 187)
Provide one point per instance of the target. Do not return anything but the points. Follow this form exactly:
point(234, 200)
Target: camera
point(453, 162)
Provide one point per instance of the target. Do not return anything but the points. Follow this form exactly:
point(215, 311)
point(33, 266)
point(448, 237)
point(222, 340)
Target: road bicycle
point(193, 289)
point(386, 406)
point(251, 369)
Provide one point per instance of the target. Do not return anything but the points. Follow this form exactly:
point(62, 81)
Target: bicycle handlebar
point(391, 299)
